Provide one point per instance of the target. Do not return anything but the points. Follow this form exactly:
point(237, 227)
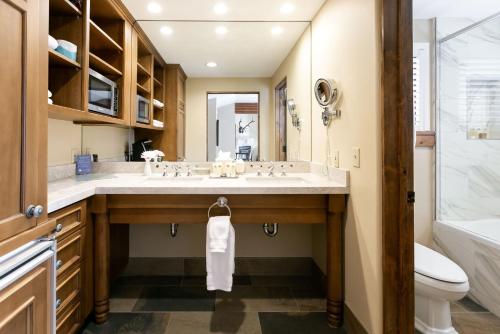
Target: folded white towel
point(220, 265)
point(218, 233)
point(50, 101)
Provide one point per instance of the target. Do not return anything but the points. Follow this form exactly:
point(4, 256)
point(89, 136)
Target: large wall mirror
point(241, 79)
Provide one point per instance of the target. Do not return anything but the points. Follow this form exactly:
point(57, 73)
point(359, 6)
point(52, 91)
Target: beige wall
point(155, 241)
point(66, 139)
point(346, 43)
point(196, 112)
point(296, 68)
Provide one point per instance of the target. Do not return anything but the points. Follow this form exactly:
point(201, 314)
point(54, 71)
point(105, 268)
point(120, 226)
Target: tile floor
point(471, 318)
point(182, 305)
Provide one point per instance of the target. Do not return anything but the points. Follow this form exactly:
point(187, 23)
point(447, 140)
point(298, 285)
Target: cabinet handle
point(59, 264)
point(59, 227)
point(34, 211)
point(58, 302)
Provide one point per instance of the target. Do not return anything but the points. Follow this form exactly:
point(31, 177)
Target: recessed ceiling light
point(287, 8)
point(166, 30)
point(220, 8)
point(277, 30)
point(221, 30)
point(211, 64)
point(154, 8)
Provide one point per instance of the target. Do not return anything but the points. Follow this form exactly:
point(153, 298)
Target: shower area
point(467, 224)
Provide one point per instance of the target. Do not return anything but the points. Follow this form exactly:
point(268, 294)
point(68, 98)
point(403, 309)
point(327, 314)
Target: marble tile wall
point(468, 170)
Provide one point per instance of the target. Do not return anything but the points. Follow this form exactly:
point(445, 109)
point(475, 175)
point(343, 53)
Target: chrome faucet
point(271, 169)
point(259, 171)
point(165, 173)
point(189, 172)
point(177, 170)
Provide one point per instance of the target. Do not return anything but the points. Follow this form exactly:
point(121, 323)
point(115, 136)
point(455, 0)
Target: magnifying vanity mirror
point(328, 96)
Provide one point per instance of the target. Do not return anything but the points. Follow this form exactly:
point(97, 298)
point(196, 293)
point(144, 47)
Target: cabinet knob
point(58, 302)
point(59, 227)
point(34, 211)
point(59, 264)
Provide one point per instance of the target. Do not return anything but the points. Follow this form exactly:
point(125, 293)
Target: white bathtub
point(475, 246)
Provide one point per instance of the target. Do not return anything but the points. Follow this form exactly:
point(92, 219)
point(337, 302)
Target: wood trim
point(246, 108)
point(397, 168)
point(277, 120)
point(425, 139)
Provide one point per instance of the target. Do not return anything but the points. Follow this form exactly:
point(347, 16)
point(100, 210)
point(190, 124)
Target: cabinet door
point(23, 113)
point(24, 305)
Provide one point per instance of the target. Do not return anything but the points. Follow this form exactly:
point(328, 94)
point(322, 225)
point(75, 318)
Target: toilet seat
point(433, 265)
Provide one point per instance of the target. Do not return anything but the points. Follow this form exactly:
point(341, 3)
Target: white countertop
point(62, 193)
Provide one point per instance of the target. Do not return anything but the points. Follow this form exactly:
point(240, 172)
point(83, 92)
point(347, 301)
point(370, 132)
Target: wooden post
point(101, 258)
point(335, 261)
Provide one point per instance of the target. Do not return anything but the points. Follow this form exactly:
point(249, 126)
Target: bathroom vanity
point(298, 198)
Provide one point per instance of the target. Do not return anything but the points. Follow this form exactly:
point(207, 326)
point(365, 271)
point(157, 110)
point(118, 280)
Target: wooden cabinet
point(24, 305)
point(23, 114)
point(74, 263)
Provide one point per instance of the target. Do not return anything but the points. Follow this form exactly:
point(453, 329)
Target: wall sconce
point(292, 110)
point(328, 97)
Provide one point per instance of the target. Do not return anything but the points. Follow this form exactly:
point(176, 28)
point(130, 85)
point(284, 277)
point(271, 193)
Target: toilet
point(438, 281)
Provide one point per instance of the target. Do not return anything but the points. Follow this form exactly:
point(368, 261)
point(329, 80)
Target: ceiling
point(248, 49)
point(474, 9)
point(237, 10)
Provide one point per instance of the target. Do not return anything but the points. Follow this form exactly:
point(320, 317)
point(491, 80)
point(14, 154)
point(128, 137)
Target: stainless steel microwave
point(142, 110)
point(103, 94)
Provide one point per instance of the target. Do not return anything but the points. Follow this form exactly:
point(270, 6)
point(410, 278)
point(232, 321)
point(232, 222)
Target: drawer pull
point(58, 264)
point(59, 227)
point(58, 302)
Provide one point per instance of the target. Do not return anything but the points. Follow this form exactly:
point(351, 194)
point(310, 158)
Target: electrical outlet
point(336, 159)
point(356, 157)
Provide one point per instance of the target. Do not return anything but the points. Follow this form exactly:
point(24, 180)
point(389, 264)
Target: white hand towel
point(218, 233)
point(220, 265)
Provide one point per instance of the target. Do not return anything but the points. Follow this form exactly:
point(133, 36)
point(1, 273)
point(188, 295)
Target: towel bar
point(221, 203)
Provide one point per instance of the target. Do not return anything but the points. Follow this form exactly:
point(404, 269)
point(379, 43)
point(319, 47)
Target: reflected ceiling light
point(166, 30)
point(220, 8)
point(221, 30)
point(211, 64)
point(287, 8)
point(154, 8)
point(277, 30)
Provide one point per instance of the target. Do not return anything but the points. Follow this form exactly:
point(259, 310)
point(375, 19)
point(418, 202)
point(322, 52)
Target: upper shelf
point(102, 66)
point(100, 40)
point(64, 7)
point(57, 59)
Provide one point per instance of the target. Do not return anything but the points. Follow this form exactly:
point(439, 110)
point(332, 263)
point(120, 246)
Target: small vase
point(147, 168)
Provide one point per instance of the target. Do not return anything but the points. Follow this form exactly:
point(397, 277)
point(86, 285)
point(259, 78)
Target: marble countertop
point(64, 192)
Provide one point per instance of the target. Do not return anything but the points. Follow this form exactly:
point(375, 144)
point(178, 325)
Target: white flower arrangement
point(152, 155)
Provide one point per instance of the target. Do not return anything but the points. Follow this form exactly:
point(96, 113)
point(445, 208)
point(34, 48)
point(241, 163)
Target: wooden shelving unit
point(108, 44)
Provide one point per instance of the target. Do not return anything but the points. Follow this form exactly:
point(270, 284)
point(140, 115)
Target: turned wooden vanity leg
point(335, 261)
point(101, 259)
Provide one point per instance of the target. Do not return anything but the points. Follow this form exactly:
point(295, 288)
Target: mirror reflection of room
point(233, 126)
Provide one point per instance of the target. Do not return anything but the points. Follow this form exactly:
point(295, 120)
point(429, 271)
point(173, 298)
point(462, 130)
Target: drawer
point(69, 219)
point(70, 251)
point(70, 320)
point(68, 288)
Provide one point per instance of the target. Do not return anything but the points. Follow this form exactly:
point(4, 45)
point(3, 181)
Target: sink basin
point(176, 179)
point(275, 179)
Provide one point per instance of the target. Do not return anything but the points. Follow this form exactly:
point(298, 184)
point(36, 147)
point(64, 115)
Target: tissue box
point(83, 164)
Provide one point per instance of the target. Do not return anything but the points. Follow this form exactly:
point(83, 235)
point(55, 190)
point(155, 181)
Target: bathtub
point(475, 246)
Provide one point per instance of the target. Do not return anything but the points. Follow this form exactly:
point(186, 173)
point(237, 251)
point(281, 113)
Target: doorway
point(280, 111)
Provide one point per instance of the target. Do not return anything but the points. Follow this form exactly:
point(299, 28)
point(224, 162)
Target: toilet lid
point(434, 265)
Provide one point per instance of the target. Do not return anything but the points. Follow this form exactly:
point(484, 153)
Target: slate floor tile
point(214, 322)
point(202, 281)
point(175, 298)
point(256, 299)
point(296, 323)
point(131, 323)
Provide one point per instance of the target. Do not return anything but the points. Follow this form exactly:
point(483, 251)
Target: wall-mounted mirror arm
point(328, 96)
point(292, 110)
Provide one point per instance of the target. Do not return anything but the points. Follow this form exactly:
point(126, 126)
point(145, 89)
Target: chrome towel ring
point(221, 203)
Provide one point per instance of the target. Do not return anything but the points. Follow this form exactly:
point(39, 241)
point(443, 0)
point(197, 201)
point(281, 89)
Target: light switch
point(336, 159)
point(356, 157)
